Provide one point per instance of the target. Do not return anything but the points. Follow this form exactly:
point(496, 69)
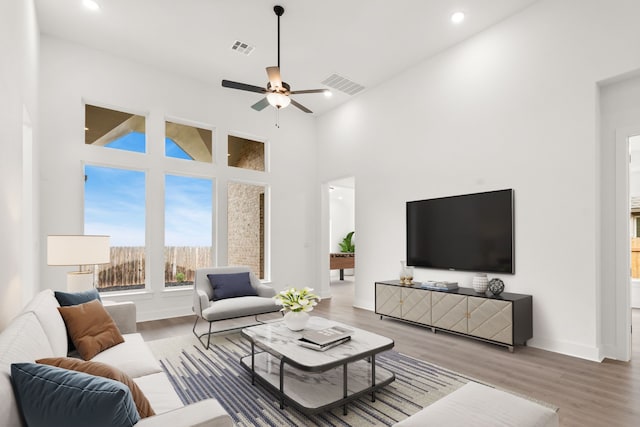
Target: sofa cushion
point(105, 371)
point(23, 340)
point(238, 307)
point(480, 406)
point(91, 328)
point(45, 306)
point(231, 285)
point(51, 396)
point(75, 298)
point(133, 357)
point(160, 392)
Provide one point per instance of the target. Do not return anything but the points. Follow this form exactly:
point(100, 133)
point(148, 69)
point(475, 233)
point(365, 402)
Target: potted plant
point(296, 304)
point(347, 245)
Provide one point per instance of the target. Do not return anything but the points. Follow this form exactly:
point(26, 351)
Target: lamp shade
point(78, 250)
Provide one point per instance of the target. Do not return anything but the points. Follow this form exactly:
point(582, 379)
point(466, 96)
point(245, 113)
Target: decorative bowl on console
point(496, 286)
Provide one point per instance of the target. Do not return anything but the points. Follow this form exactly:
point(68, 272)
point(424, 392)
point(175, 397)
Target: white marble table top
point(277, 339)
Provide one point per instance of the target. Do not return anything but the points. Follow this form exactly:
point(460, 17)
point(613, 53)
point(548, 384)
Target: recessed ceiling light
point(328, 93)
point(457, 17)
point(91, 4)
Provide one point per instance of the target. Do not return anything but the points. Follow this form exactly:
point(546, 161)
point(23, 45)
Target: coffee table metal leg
point(344, 388)
point(281, 384)
point(253, 363)
point(373, 377)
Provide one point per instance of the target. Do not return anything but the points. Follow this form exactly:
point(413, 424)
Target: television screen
point(471, 232)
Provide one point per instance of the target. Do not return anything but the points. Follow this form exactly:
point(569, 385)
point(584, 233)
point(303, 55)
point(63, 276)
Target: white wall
point(513, 107)
point(18, 176)
point(72, 74)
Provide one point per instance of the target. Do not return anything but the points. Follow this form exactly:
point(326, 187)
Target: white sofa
point(40, 332)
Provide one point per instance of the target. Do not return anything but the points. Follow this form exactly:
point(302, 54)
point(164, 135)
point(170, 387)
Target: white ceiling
point(367, 41)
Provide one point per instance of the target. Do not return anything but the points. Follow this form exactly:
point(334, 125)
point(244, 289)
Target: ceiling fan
point(277, 92)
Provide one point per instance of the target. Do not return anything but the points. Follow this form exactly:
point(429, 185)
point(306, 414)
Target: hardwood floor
point(587, 393)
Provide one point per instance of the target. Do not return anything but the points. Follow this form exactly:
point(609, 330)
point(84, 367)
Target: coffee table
point(315, 381)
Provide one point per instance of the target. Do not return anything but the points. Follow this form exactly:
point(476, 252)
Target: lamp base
point(78, 281)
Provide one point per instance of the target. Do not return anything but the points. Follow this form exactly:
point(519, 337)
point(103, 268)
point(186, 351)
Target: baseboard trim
point(568, 349)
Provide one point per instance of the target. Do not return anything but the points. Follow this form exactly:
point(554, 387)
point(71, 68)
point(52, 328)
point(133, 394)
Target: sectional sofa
point(40, 332)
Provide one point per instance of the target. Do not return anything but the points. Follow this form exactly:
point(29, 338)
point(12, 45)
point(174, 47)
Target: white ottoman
point(480, 406)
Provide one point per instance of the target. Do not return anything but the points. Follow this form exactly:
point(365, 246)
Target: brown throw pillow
point(91, 328)
point(106, 371)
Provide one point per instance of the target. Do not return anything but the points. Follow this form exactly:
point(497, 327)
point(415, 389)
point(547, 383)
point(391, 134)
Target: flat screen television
point(471, 232)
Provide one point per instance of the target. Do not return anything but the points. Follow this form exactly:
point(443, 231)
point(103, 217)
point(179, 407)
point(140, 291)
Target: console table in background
point(340, 261)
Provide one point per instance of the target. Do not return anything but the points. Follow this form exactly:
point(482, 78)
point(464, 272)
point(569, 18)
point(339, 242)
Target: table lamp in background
point(78, 250)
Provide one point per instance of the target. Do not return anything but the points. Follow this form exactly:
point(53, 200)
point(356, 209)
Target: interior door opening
point(342, 235)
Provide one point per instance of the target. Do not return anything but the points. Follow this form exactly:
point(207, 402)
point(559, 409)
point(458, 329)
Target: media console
point(505, 319)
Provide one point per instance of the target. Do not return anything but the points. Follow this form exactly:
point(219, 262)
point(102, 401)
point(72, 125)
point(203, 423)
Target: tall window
point(246, 226)
point(114, 205)
point(188, 224)
point(114, 129)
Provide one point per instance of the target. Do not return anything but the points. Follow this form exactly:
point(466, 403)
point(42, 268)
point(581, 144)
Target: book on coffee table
point(323, 339)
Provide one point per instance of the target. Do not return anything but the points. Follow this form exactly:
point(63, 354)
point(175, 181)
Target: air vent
point(242, 47)
point(342, 84)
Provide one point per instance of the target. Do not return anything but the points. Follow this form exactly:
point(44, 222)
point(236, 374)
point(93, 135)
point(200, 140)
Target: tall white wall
point(72, 73)
point(18, 173)
point(513, 107)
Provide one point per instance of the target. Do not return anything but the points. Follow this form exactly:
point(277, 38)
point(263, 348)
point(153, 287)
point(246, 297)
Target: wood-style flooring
point(587, 393)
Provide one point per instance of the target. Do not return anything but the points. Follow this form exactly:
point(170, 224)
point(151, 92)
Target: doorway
point(341, 239)
point(634, 226)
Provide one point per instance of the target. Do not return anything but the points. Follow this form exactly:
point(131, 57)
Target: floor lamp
point(81, 251)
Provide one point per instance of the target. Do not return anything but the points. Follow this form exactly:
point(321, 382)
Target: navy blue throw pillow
point(75, 298)
point(231, 285)
point(52, 396)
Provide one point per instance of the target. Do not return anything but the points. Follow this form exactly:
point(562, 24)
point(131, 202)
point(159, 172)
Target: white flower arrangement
point(296, 301)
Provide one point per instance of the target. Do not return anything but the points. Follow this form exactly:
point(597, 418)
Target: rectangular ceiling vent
point(242, 47)
point(342, 84)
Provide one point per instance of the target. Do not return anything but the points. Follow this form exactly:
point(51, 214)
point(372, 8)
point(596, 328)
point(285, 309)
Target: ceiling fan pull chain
point(278, 118)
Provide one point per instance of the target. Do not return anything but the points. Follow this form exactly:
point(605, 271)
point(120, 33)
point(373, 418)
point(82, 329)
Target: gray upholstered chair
point(228, 308)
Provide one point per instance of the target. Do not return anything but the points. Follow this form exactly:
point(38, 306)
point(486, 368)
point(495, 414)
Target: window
point(246, 226)
point(188, 142)
point(114, 129)
point(114, 205)
point(245, 153)
point(188, 224)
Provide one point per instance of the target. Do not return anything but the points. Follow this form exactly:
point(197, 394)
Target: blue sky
point(115, 202)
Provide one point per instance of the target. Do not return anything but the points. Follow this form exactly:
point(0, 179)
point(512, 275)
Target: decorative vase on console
point(480, 283)
point(406, 274)
point(296, 304)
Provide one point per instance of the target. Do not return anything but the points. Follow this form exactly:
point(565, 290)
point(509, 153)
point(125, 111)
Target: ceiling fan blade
point(300, 106)
point(261, 105)
point(243, 86)
point(298, 92)
point(274, 76)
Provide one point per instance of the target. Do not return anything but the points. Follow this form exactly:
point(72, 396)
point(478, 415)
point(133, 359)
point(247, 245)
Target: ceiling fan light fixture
point(278, 100)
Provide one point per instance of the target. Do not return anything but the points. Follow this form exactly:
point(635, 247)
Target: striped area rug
point(197, 374)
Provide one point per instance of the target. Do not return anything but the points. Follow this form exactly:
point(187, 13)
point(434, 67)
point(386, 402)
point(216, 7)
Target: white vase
point(480, 283)
point(296, 320)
